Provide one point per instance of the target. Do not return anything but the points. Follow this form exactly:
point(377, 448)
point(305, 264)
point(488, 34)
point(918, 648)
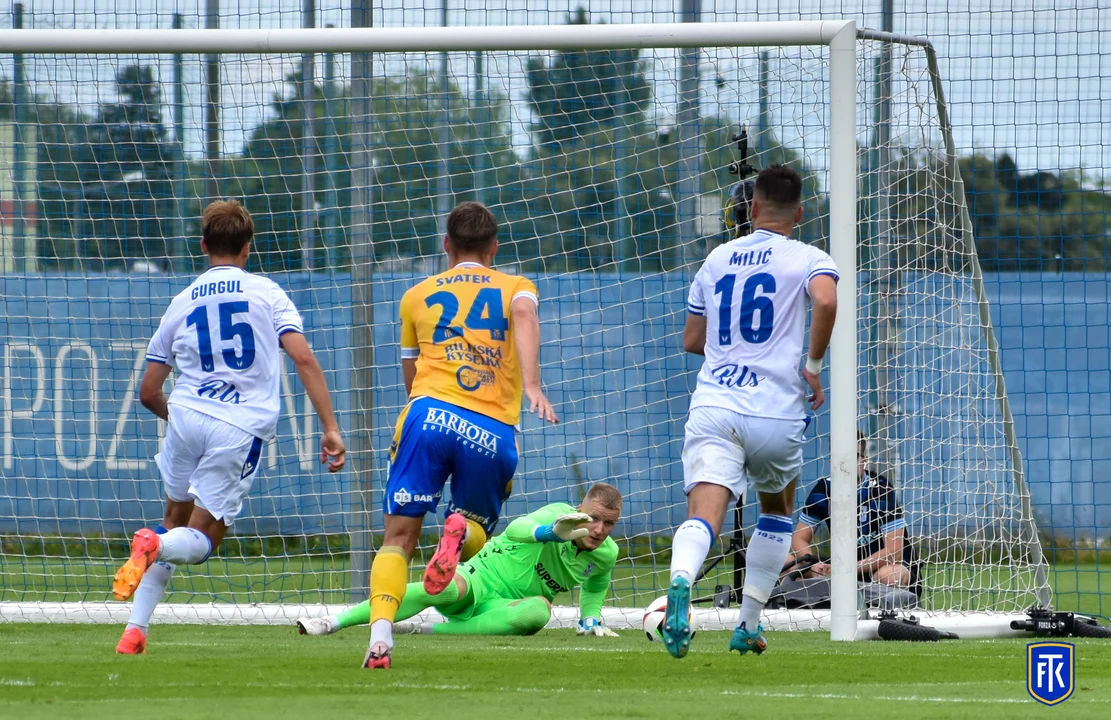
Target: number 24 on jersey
point(485, 313)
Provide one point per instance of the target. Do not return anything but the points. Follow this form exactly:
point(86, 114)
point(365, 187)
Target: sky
point(1024, 77)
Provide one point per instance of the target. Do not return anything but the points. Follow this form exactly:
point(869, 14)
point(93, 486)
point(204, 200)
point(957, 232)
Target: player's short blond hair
point(605, 495)
point(226, 227)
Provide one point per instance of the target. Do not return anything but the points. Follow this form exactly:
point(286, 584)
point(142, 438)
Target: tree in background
point(1038, 220)
point(582, 92)
point(408, 113)
point(63, 154)
point(269, 176)
point(1037, 189)
point(1020, 221)
point(103, 183)
point(406, 158)
point(126, 181)
point(101, 179)
point(593, 147)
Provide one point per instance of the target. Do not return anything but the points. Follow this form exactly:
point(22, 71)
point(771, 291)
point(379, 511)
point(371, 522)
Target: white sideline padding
point(965, 625)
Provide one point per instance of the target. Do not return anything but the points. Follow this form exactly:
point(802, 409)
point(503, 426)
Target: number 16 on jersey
point(757, 312)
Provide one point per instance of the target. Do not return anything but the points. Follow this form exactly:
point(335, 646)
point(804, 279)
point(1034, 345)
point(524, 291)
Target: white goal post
point(987, 465)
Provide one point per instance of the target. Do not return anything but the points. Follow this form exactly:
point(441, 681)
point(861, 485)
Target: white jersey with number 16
point(221, 334)
point(754, 293)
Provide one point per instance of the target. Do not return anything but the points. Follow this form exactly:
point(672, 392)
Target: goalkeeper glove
point(565, 528)
point(594, 626)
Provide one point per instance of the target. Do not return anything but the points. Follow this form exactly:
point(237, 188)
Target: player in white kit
point(222, 334)
point(746, 313)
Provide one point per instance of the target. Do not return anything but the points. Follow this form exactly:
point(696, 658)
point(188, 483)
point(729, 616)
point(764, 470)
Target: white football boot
point(317, 626)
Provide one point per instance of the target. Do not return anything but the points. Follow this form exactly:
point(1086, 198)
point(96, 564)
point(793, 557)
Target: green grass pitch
point(70, 671)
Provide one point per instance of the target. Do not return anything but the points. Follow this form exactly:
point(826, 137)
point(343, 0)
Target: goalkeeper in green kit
point(508, 586)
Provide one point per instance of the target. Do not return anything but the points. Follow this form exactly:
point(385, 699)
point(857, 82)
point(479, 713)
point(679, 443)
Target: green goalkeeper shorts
point(478, 592)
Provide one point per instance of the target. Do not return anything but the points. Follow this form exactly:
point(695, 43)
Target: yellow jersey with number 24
point(459, 328)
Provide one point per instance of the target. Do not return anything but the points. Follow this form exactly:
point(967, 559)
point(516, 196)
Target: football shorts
point(435, 441)
point(209, 461)
point(737, 451)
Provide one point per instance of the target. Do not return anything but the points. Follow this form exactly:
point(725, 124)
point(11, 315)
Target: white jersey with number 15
point(221, 334)
point(754, 292)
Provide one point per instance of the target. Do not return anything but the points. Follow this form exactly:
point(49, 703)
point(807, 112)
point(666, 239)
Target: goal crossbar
point(437, 39)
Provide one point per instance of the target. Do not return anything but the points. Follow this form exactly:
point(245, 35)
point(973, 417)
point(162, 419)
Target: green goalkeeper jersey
point(513, 565)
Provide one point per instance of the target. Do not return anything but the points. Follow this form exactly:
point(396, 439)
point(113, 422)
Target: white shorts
point(737, 451)
point(209, 461)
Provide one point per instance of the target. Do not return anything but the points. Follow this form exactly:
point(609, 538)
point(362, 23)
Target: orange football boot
point(133, 642)
point(144, 551)
point(441, 568)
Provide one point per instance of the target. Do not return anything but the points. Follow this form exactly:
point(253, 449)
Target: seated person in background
point(885, 554)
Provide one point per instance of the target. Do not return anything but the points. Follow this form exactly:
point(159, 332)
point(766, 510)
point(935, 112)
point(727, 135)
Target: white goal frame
point(840, 36)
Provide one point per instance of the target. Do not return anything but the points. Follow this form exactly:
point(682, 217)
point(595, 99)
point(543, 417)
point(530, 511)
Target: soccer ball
point(654, 619)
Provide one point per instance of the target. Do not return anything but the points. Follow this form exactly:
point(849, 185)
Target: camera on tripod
point(741, 167)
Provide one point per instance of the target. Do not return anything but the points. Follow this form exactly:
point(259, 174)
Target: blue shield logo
point(1050, 671)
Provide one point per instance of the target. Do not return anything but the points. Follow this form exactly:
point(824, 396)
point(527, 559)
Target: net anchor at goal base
point(910, 629)
point(1044, 622)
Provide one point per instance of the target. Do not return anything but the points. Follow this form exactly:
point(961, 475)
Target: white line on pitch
point(895, 698)
point(599, 691)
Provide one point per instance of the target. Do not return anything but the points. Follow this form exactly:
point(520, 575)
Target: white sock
point(382, 631)
point(149, 594)
point(767, 551)
point(185, 546)
point(689, 548)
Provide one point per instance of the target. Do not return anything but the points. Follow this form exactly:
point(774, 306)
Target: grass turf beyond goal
point(49, 671)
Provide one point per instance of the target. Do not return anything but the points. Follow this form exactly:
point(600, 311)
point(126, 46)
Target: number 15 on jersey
point(229, 330)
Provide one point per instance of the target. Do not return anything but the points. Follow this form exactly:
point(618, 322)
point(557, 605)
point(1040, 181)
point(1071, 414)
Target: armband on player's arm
point(552, 523)
point(565, 528)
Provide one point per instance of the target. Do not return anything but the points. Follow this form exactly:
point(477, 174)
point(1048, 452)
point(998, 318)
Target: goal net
point(608, 169)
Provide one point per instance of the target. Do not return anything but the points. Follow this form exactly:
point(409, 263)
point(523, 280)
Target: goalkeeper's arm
point(591, 597)
point(548, 524)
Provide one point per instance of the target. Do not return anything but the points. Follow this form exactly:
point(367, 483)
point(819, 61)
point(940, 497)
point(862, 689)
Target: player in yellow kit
point(470, 346)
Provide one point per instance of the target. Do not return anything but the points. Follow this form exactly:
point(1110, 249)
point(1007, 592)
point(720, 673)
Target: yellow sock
point(476, 538)
point(388, 576)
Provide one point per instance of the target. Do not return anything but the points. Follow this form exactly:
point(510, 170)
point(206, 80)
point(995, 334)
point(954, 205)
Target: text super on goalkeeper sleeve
point(523, 528)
